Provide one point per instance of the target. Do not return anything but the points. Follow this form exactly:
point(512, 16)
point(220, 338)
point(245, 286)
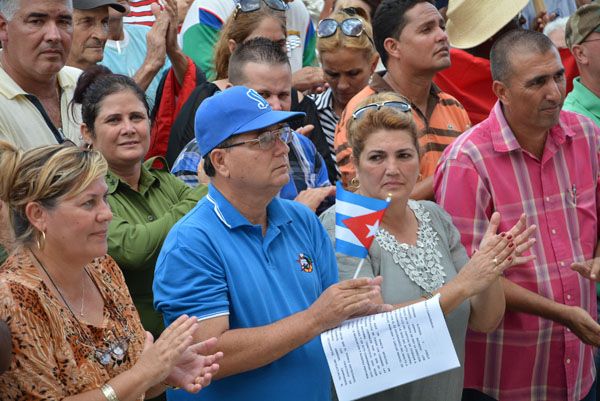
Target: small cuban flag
point(357, 220)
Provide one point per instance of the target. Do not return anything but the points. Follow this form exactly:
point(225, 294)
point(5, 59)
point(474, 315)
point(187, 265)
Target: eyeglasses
point(350, 27)
point(266, 140)
point(401, 106)
point(247, 6)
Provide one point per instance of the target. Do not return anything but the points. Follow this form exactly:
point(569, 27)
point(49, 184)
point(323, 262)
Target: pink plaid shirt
point(486, 170)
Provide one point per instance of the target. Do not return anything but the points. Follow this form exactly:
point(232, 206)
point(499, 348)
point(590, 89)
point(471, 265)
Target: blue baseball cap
point(234, 111)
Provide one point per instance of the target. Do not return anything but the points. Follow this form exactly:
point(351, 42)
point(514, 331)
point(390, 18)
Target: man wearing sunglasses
point(410, 39)
point(258, 271)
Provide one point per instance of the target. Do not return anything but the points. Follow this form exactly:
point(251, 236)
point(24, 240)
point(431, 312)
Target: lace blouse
point(409, 271)
point(421, 262)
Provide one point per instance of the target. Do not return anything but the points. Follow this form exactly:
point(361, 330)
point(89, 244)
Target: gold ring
point(496, 261)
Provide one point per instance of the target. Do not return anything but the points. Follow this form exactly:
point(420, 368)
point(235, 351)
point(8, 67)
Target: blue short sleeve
point(189, 278)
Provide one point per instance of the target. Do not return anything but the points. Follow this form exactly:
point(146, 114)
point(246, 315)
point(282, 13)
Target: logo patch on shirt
point(293, 42)
point(305, 261)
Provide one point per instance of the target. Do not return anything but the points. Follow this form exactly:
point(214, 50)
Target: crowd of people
point(168, 200)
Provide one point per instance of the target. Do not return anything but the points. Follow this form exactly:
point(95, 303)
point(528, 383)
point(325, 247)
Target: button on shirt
point(527, 357)
point(214, 262)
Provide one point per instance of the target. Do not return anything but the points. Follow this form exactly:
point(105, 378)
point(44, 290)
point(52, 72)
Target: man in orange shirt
point(410, 38)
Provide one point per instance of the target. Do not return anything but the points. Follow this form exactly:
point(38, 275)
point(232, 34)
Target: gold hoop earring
point(42, 243)
point(420, 177)
point(354, 183)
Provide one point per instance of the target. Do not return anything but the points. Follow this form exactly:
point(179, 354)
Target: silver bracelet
point(109, 392)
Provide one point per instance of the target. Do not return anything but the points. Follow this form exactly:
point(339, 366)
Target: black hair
point(257, 50)
point(389, 21)
point(208, 167)
point(97, 82)
point(522, 40)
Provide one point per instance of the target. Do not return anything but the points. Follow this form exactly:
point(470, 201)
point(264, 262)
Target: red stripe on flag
point(365, 226)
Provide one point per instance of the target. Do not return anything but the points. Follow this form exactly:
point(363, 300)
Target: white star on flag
point(358, 219)
point(373, 229)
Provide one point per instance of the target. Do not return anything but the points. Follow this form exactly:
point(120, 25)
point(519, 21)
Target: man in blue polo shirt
point(258, 271)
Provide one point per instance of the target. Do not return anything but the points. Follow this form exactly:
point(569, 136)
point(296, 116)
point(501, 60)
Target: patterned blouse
point(51, 357)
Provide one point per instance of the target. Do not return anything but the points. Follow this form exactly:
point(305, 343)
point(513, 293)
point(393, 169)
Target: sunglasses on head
point(350, 27)
point(398, 105)
point(247, 6)
point(266, 140)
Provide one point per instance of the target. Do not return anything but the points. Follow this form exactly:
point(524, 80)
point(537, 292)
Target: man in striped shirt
point(530, 157)
point(410, 39)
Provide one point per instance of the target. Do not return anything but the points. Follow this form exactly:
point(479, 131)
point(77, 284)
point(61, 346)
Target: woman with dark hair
point(76, 334)
point(146, 201)
point(417, 250)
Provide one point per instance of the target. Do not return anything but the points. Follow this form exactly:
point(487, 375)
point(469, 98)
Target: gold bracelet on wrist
point(428, 295)
point(109, 392)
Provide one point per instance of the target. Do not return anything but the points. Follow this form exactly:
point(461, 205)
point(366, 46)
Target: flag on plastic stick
point(357, 220)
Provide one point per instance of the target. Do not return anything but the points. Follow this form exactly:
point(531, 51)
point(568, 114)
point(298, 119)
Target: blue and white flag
point(357, 220)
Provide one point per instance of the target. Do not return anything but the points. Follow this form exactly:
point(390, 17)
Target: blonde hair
point(339, 40)
point(386, 118)
point(47, 175)
point(238, 27)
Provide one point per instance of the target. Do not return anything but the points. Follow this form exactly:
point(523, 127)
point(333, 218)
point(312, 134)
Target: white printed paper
point(374, 353)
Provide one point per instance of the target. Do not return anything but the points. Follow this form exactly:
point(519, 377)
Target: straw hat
point(472, 22)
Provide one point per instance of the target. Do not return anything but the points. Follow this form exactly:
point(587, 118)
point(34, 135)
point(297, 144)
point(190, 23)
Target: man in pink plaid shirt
point(530, 157)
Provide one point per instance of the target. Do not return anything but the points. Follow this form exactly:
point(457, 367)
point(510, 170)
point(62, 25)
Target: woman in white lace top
point(417, 250)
